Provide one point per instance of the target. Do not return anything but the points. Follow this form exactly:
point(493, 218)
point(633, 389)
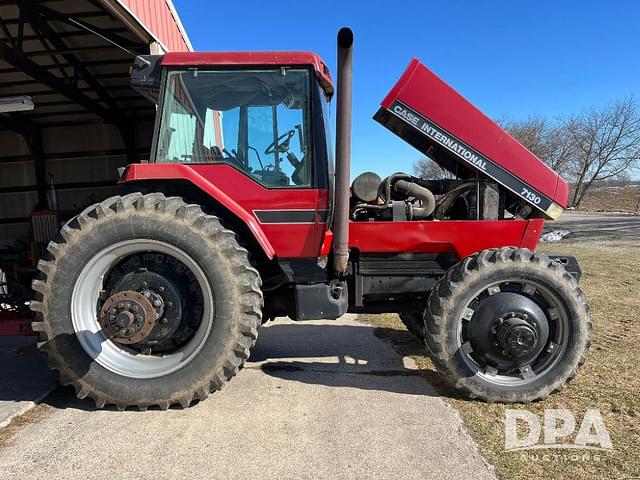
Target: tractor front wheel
point(146, 301)
point(508, 325)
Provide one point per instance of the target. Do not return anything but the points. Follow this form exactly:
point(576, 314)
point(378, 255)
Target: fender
point(177, 171)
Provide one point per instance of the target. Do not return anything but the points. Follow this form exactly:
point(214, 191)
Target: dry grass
point(31, 417)
point(609, 381)
point(611, 199)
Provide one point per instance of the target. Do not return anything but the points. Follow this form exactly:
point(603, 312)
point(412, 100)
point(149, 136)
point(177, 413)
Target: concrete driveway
point(322, 399)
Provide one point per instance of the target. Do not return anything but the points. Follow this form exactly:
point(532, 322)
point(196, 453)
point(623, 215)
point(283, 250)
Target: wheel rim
point(504, 368)
point(117, 358)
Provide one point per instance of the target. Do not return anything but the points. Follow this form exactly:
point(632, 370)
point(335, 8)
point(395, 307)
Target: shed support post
point(128, 139)
point(40, 165)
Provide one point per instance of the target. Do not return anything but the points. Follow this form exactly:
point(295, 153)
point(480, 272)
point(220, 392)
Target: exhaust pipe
point(343, 152)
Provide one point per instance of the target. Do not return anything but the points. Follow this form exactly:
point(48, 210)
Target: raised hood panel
point(434, 118)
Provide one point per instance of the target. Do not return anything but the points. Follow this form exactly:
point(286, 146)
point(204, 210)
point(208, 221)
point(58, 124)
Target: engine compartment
point(404, 197)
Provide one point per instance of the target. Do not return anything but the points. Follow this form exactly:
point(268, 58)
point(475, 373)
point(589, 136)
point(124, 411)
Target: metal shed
point(72, 58)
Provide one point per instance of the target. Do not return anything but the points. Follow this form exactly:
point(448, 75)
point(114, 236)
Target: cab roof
point(262, 59)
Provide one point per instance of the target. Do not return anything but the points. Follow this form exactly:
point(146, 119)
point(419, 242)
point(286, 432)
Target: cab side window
point(257, 121)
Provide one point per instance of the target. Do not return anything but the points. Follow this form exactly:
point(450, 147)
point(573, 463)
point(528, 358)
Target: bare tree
point(596, 147)
point(605, 143)
point(427, 168)
point(545, 139)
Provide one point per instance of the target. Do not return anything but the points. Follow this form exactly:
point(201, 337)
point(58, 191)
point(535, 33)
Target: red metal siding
point(157, 16)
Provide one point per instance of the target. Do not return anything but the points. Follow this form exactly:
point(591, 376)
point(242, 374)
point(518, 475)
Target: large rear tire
point(163, 262)
point(508, 325)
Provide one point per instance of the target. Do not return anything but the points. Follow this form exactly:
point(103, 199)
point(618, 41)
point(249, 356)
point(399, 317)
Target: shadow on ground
point(334, 355)
point(24, 375)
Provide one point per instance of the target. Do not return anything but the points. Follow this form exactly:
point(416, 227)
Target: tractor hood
point(428, 114)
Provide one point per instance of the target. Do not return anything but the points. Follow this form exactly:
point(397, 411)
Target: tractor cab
point(261, 113)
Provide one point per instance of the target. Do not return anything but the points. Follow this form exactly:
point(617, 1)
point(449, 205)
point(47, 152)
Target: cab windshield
point(256, 121)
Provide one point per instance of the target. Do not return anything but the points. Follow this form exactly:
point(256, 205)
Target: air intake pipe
point(343, 152)
point(410, 189)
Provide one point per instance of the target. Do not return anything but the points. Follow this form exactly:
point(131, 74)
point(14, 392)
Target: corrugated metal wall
point(159, 17)
point(81, 158)
point(68, 164)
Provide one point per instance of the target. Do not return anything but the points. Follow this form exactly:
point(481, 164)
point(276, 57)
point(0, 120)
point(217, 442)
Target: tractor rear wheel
point(414, 321)
point(508, 325)
point(146, 301)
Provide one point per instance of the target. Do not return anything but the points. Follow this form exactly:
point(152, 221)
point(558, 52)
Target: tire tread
point(454, 282)
point(212, 231)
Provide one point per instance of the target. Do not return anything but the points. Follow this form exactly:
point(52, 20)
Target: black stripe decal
point(475, 159)
point(291, 216)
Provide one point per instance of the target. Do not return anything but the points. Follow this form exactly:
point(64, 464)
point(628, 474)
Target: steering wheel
point(281, 145)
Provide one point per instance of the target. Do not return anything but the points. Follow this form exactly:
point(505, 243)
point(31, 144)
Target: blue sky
point(512, 58)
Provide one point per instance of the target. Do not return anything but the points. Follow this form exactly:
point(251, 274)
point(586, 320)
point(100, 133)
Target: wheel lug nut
point(164, 321)
point(161, 289)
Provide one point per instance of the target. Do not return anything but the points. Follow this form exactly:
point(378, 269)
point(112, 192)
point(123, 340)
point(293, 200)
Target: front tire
point(178, 271)
point(508, 325)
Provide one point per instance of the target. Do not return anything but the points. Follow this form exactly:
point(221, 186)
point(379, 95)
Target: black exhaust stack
point(343, 151)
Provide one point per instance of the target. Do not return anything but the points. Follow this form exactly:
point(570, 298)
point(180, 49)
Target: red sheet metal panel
point(160, 18)
point(463, 237)
point(455, 118)
point(254, 58)
point(268, 213)
point(172, 171)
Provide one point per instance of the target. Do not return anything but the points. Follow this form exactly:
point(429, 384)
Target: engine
point(403, 197)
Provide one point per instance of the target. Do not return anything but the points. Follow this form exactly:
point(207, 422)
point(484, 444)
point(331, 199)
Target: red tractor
point(154, 297)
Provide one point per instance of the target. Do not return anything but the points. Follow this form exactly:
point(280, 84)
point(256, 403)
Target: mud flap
point(570, 264)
